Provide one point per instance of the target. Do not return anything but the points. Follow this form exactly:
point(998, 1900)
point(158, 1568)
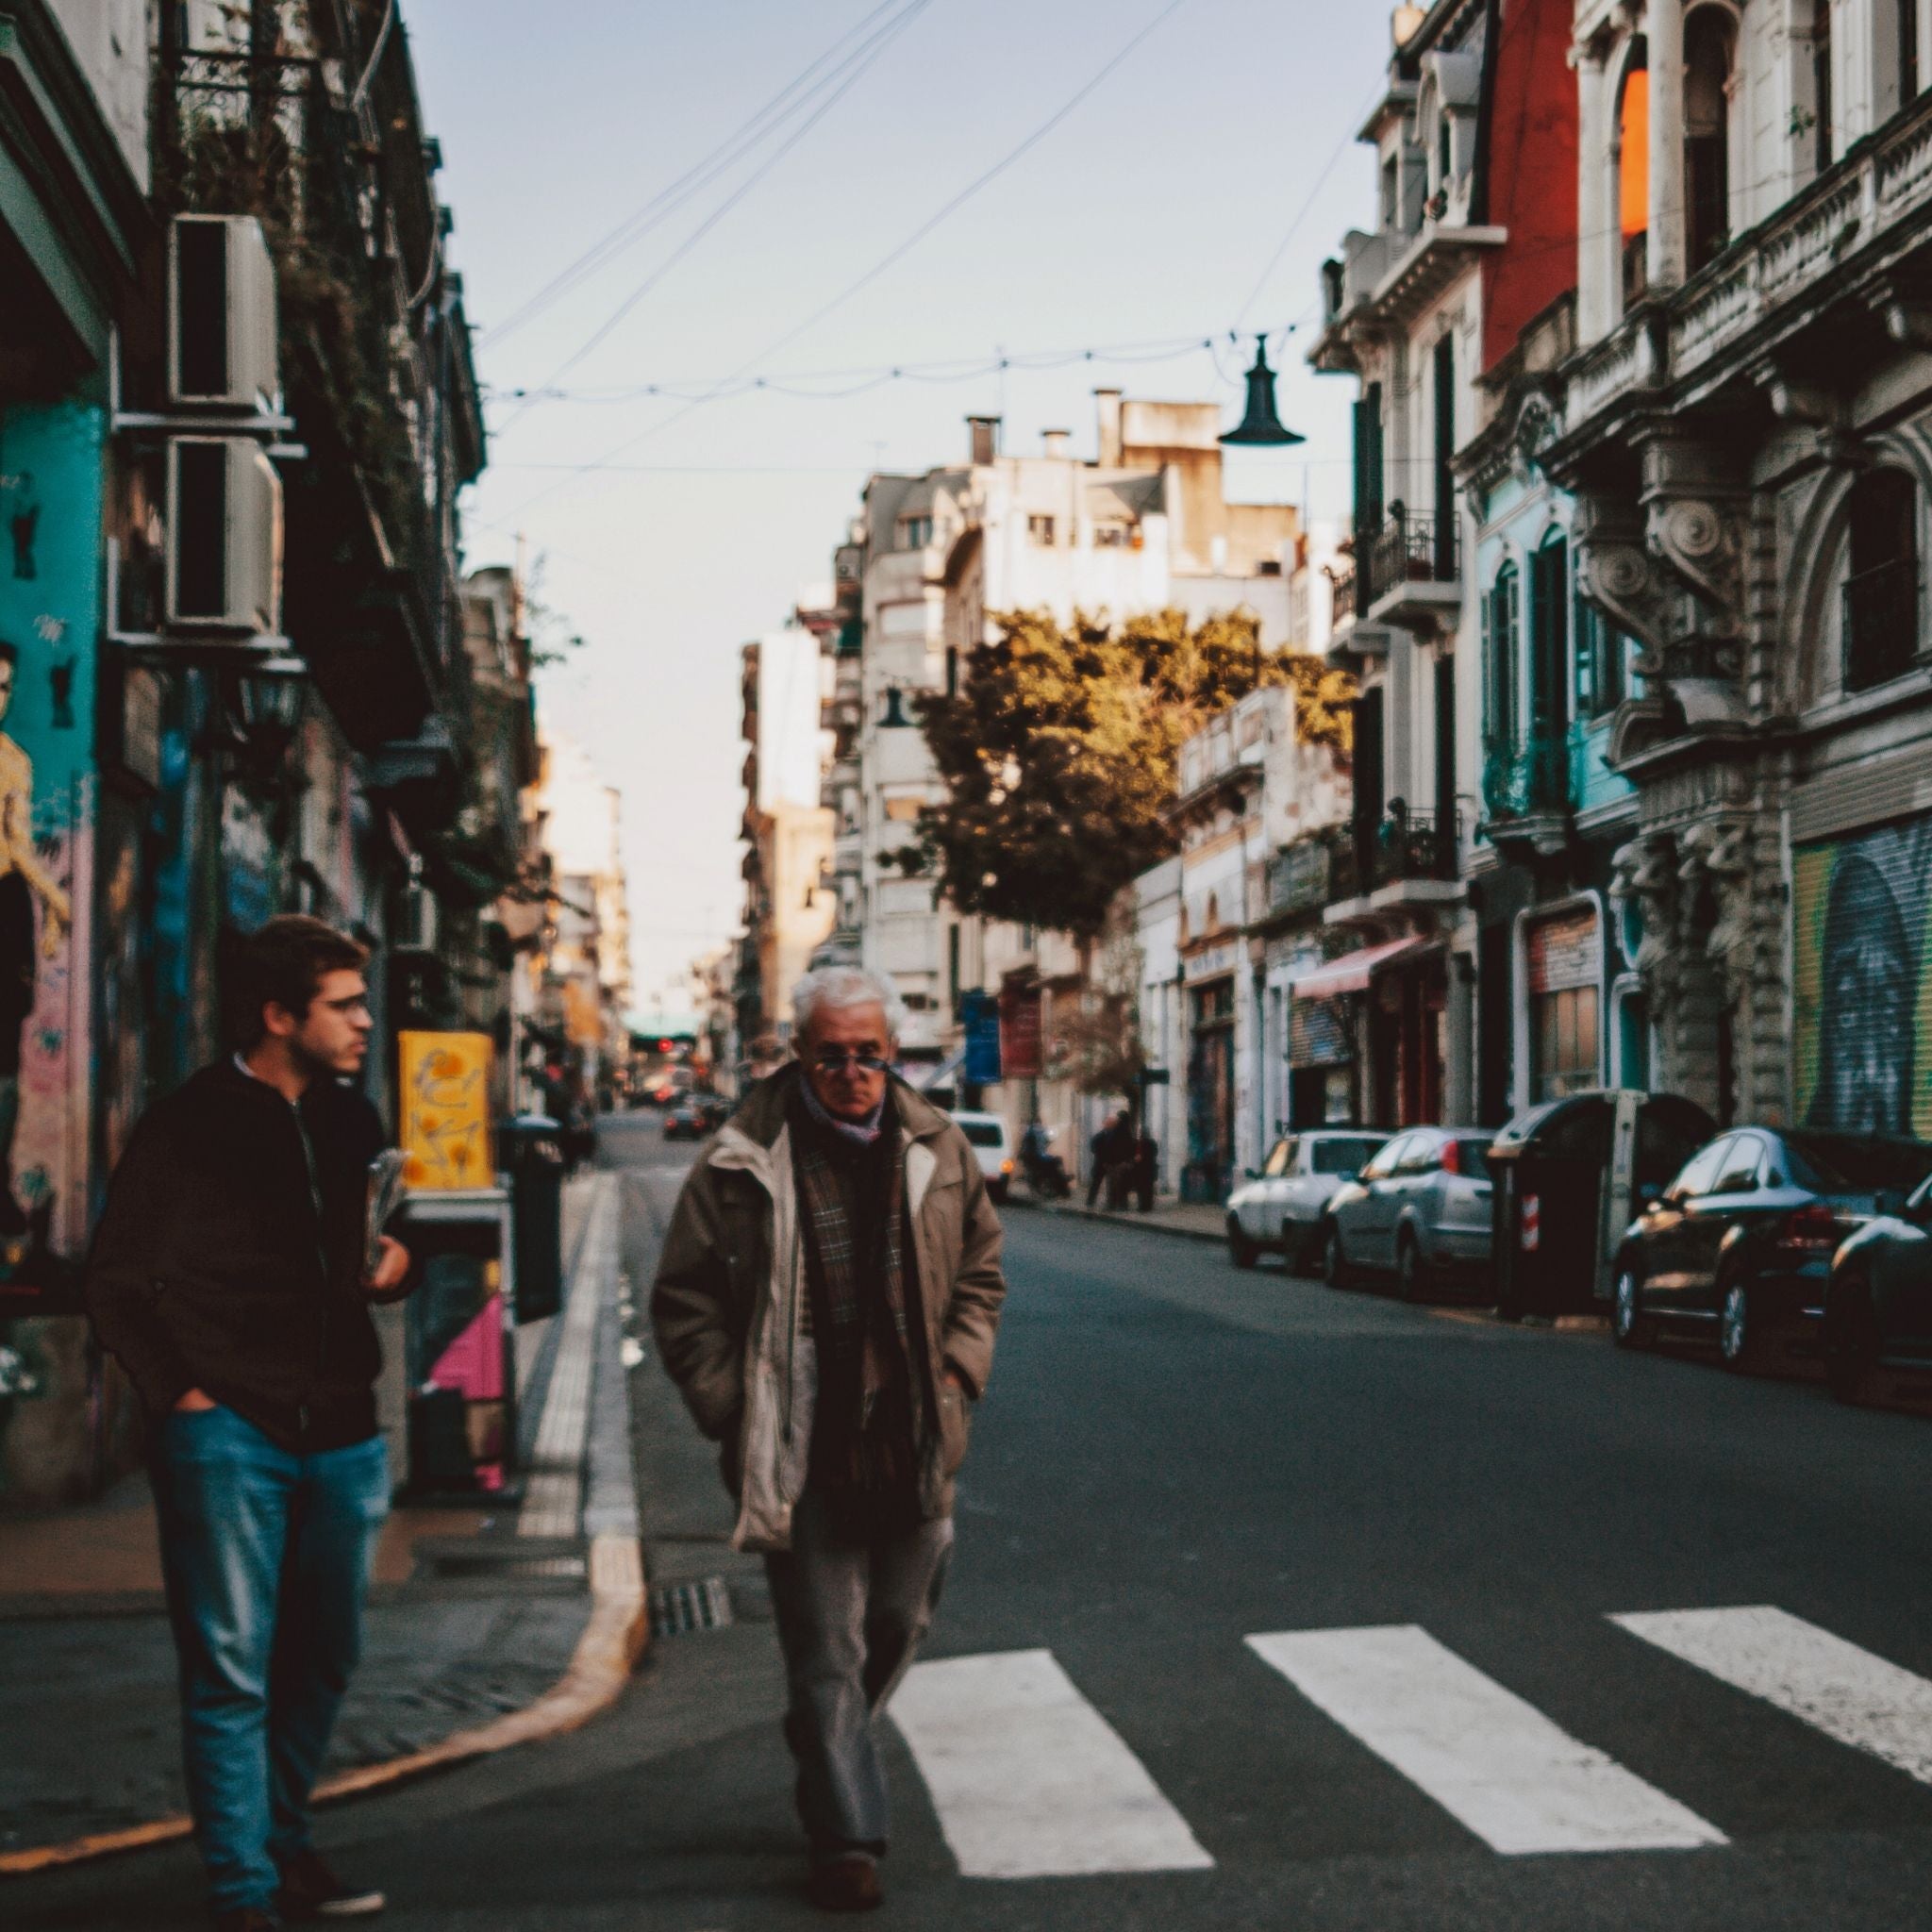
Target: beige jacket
point(729, 1298)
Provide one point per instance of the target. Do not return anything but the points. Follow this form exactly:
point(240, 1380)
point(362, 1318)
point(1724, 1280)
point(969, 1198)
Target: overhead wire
point(894, 254)
point(852, 70)
point(741, 140)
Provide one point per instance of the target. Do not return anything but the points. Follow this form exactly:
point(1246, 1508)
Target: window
point(1113, 536)
point(1908, 52)
point(1700, 1172)
point(1633, 175)
point(1039, 530)
point(1445, 150)
point(1391, 191)
point(1602, 663)
point(1881, 592)
point(1707, 49)
point(915, 533)
point(1550, 674)
point(1421, 1154)
point(1386, 1162)
point(1741, 1166)
point(952, 670)
point(1342, 1156)
point(1280, 1159)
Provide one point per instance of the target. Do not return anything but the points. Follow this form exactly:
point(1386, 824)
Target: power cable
point(641, 219)
point(885, 262)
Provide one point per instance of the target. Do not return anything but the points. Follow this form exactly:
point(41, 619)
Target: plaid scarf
point(852, 1207)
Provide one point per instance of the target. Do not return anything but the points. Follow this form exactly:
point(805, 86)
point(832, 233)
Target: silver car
point(1420, 1209)
point(1281, 1207)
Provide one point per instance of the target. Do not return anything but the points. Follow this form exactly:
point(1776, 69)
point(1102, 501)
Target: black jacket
point(211, 1270)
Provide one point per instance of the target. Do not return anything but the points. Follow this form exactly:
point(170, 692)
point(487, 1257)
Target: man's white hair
point(845, 985)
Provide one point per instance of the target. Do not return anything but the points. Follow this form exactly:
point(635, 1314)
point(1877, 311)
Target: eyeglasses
point(838, 1062)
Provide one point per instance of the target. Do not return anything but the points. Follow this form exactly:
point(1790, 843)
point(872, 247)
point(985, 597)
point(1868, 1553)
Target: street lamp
point(1262, 427)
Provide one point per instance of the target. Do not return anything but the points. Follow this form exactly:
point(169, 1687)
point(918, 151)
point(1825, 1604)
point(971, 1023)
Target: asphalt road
point(1176, 1458)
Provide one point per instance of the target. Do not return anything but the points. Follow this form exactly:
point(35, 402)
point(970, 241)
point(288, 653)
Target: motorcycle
point(1044, 1172)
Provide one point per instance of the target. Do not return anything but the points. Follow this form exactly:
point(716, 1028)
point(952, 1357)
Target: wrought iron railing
point(1410, 844)
point(1410, 549)
point(1344, 596)
point(1881, 623)
point(1526, 780)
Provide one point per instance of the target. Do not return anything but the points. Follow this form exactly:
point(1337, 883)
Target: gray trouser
point(850, 1615)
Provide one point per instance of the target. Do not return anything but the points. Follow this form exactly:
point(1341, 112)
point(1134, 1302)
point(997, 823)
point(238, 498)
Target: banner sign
point(982, 1019)
point(1020, 1032)
point(445, 1111)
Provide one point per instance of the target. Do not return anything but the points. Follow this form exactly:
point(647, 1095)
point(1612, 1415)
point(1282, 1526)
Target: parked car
point(1738, 1246)
point(714, 1109)
point(988, 1136)
point(1878, 1300)
point(1282, 1205)
point(1421, 1208)
point(686, 1120)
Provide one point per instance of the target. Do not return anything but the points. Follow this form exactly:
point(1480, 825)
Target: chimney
point(986, 438)
point(1107, 402)
point(1058, 442)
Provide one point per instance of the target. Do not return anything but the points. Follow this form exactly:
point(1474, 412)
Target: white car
point(987, 1134)
point(1281, 1207)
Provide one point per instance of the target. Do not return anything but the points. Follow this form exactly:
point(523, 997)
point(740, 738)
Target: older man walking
point(828, 1301)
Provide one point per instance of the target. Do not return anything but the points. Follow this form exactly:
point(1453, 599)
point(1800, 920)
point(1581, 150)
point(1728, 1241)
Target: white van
point(987, 1132)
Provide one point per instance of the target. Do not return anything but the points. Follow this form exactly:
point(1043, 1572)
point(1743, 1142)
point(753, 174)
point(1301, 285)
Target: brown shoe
point(846, 1885)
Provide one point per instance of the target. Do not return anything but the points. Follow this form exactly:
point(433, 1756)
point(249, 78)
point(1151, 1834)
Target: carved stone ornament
point(1743, 944)
point(1646, 900)
point(1703, 540)
point(1537, 425)
point(1617, 574)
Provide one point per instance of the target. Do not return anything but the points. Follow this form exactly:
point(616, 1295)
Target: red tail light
point(1813, 1228)
point(1452, 1156)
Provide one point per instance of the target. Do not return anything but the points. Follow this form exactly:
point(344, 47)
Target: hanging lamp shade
point(1261, 428)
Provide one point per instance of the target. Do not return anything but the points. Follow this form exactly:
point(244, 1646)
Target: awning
point(1352, 971)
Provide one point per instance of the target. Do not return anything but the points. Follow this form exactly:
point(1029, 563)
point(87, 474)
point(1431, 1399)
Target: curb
point(1147, 1224)
point(614, 1636)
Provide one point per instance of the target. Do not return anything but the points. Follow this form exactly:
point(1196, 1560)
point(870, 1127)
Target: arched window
point(1633, 173)
point(1709, 39)
point(1881, 593)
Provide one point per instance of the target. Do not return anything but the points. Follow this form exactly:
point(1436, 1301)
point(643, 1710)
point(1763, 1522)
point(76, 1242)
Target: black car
point(686, 1121)
point(1738, 1246)
point(1878, 1302)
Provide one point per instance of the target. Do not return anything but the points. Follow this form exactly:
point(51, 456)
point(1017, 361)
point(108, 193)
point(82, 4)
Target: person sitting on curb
point(828, 1301)
point(228, 1279)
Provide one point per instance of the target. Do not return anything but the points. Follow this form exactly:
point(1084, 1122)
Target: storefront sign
point(981, 1015)
point(1020, 1032)
point(445, 1111)
point(1566, 951)
point(1214, 961)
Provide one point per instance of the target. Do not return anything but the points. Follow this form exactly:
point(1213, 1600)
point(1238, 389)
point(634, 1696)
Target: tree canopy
point(1060, 753)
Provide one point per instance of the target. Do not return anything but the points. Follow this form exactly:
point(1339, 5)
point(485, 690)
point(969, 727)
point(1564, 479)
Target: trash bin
point(1568, 1178)
point(531, 1148)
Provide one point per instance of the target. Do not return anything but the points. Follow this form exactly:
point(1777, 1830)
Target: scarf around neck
point(861, 1133)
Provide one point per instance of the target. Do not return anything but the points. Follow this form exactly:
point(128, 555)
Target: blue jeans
point(267, 1556)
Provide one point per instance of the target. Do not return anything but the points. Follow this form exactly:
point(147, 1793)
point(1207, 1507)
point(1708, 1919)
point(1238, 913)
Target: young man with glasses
point(827, 1300)
point(228, 1278)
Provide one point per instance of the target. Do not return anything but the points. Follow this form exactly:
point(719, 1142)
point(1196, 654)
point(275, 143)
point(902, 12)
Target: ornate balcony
point(1527, 792)
point(1414, 570)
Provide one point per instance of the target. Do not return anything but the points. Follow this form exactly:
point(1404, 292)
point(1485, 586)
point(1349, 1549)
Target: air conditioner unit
point(225, 537)
point(222, 335)
point(416, 930)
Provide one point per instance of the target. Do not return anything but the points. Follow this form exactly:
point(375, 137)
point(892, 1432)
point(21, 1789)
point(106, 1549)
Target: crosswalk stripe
point(1491, 1760)
point(1028, 1779)
point(1846, 1692)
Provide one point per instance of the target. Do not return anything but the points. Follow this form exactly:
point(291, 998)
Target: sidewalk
point(1199, 1220)
point(486, 1627)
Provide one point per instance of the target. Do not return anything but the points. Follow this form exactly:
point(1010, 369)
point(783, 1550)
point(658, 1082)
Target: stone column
point(1599, 267)
point(1664, 35)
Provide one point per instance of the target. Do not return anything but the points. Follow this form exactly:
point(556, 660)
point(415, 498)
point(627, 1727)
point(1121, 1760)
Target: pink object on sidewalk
point(473, 1363)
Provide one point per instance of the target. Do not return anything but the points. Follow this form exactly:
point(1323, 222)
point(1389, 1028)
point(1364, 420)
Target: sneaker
point(311, 1890)
point(246, 1919)
point(849, 1884)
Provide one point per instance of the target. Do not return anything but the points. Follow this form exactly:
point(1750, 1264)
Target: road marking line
point(1491, 1760)
point(1028, 1779)
point(1848, 1693)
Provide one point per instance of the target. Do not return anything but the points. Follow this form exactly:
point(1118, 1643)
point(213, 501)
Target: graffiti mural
point(1862, 981)
point(50, 503)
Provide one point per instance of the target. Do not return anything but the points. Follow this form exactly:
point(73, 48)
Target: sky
point(1194, 192)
